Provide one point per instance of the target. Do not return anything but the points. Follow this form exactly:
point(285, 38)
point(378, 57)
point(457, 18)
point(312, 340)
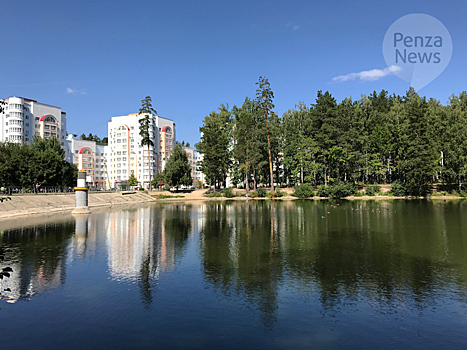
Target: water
point(272, 275)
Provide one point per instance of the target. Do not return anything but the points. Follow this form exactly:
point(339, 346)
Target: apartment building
point(21, 119)
point(167, 141)
point(126, 155)
point(197, 175)
point(91, 157)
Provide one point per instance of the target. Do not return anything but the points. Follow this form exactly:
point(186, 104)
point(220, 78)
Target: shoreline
point(52, 204)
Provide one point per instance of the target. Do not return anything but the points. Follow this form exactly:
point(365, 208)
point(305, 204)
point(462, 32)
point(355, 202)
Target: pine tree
point(144, 128)
point(264, 96)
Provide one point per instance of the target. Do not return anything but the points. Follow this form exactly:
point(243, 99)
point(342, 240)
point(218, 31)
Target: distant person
point(37, 188)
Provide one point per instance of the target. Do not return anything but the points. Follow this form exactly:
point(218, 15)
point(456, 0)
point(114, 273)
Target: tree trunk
point(247, 182)
point(271, 174)
point(255, 186)
point(325, 173)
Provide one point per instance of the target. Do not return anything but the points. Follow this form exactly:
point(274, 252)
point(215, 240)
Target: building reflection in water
point(141, 244)
point(332, 253)
point(37, 254)
point(145, 242)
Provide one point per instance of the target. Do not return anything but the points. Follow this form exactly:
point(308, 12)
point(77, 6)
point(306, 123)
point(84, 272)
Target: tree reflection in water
point(37, 255)
point(384, 254)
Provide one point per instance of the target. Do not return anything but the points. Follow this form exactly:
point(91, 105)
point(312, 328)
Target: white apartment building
point(196, 174)
point(167, 141)
point(22, 119)
point(126, 156)
point(89, 156)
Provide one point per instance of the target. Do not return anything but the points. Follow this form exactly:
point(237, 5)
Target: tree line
point(40, 162)
point(409, 140)
point(90, 137)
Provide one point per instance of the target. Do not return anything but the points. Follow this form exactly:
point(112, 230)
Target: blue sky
point(98, 59)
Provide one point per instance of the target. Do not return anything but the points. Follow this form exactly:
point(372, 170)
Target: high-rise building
point(126, 155)
point(21, 119)
point(166, 141)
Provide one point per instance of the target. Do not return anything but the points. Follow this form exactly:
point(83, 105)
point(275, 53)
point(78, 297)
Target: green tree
point(298, 141)
point(247, 141)
point(144, 127)
point(454, 139)
point(178, 169)
point(160, 176)
point(215, 146)
point(132, 180)
point(95, 138)
point(41, 162)
point(264, 96)
point(421, 158)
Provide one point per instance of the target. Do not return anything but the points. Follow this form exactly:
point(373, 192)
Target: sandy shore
point(49, 204)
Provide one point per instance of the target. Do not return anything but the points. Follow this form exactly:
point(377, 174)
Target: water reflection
point(140, 244)
point(144, 242)
point(385, 254)
point(37, 255)
point(382, 253)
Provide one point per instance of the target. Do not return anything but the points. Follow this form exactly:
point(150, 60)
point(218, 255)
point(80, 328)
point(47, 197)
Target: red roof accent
point(81, 150)
point(42, 118)
point(165, 127)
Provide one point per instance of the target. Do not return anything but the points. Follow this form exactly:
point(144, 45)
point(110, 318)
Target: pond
point(257, 274)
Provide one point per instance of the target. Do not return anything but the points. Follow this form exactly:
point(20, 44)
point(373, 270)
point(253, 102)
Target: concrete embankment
point(25, 205)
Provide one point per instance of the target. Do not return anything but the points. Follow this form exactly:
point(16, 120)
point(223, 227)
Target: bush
point(261, 192)
point(280, 193)
point(372, 190)
point(228, 193)
point(303, 191)
point(271, 194)
point(398, 189)
point(214, 194)
point(141, 189)
point(341, 190)
point(323, 191)
point(358, 194)
point(338, 190)
point(253, 194)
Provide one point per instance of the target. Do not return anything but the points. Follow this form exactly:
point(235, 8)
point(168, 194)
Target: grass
point(164, 196)
point(214, 194)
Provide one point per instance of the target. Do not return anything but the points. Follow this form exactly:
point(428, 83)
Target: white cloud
point(75, 92)
point(368, 75)
point(292, 26)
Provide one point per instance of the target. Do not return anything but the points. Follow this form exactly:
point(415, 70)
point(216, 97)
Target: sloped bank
point(45, 204)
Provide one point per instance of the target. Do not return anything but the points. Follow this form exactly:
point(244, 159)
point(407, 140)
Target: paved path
point(30, 204)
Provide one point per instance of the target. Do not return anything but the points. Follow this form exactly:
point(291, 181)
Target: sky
point(99, 59)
